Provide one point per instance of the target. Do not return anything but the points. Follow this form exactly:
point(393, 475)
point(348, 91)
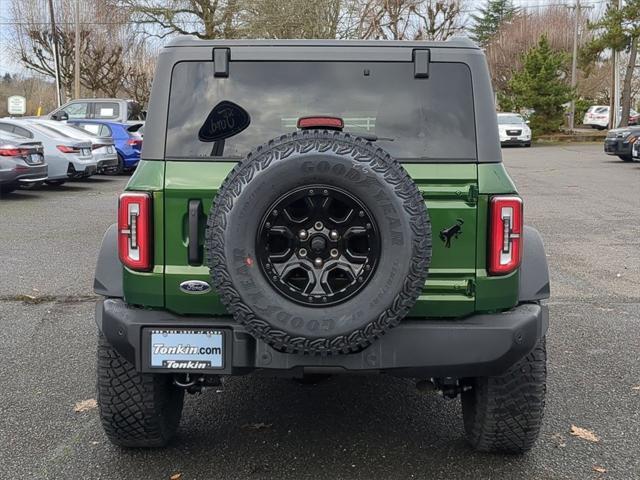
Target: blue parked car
point(126, 136)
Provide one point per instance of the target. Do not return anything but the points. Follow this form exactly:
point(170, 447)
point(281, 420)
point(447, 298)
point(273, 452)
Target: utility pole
point(56, 62)
point(615, 90)
point(76, 79)
point(574, 67)
point(574, 61)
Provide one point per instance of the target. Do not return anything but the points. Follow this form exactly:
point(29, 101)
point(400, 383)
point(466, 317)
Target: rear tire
point(8, 188)
point(625, 158)
point(136, 409)
point(119, 169)
point(503, 414)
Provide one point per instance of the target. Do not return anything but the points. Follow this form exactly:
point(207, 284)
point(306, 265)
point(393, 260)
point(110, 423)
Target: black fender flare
point(534, 270)
point(108, 277)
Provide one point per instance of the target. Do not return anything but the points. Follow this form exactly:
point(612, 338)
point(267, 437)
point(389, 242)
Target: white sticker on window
point(106, 112)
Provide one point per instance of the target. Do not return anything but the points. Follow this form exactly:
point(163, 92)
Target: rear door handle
point(194, 252)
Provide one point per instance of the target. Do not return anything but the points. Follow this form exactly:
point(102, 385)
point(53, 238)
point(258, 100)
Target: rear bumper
point(479, 345)
point(107, 162)
point(79, 170)
point(29, 174)
point(516, 141)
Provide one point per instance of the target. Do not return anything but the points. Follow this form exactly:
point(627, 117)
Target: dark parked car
point(126, 136)
point(21, 162)
point(620, 141)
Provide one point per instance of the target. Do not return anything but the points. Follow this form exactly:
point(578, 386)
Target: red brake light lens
point(332, 123)
point(67, 149)
point(13, 152)
point(135, 142)
point(505, 234)
point(134, 230)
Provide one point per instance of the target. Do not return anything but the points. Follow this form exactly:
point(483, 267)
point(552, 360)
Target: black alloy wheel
point(318, 245)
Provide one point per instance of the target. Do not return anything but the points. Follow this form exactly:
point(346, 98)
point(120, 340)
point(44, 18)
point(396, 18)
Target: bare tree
point(504, 52)
point(105, 34)
point(410, 19)
point(386, 19)
point(142, 64)
point(292, 19)
point(439, 19)
point(202, 18)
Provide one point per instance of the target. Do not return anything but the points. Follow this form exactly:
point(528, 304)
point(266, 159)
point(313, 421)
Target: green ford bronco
point(308, 208)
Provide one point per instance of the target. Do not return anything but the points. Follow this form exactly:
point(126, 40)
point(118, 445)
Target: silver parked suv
point(21, 161)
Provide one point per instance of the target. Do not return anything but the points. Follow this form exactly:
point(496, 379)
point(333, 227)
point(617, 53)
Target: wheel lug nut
point(333, 235)
point(317, 262)
point(302, 252)
point(325, 192)
point(311, 192)
point(302, 234)
point(274, 213)
point(318, 226)
point(334, 252)
point(324, 299)
point(361, 213)
point(368, 226)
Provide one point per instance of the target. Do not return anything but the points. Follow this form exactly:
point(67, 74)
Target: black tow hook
point(196, 383)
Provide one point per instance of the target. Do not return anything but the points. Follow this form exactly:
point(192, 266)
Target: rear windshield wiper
point(371, 137)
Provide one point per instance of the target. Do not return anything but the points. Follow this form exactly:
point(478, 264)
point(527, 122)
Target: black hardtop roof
point(192, 41)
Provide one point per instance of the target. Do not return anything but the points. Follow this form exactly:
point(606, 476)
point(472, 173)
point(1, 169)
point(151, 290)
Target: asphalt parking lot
point(587, 207)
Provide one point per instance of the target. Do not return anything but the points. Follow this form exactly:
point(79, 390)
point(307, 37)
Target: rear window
point(415, 119)
point(107, 110)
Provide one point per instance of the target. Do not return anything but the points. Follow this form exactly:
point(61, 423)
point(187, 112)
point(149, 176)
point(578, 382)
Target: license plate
point(187, 349)
point(514, 138)
point(85, 152)
point(36, 158)
point(109, 149)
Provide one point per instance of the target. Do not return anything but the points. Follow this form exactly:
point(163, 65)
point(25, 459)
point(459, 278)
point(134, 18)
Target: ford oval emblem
point(195, 286)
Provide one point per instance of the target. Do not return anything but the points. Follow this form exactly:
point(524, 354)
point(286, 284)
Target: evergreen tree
point(6, 78)
point(619, 30)
point(541, 85)
point(490, 19)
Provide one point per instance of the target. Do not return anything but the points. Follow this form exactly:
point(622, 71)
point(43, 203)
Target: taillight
point(13, 152)
point(505, 234)
point(67, 149)
point(134, 230)
point(134, 142)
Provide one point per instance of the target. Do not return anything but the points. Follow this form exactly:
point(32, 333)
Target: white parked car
point(513, 130)
point(597, 116)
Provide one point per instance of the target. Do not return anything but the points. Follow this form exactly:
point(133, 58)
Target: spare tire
point(318, 243)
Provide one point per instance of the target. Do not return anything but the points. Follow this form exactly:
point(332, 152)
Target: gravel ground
point(585, 204)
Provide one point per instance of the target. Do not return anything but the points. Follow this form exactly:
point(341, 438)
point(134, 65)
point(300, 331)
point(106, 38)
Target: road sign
point(17, 105)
